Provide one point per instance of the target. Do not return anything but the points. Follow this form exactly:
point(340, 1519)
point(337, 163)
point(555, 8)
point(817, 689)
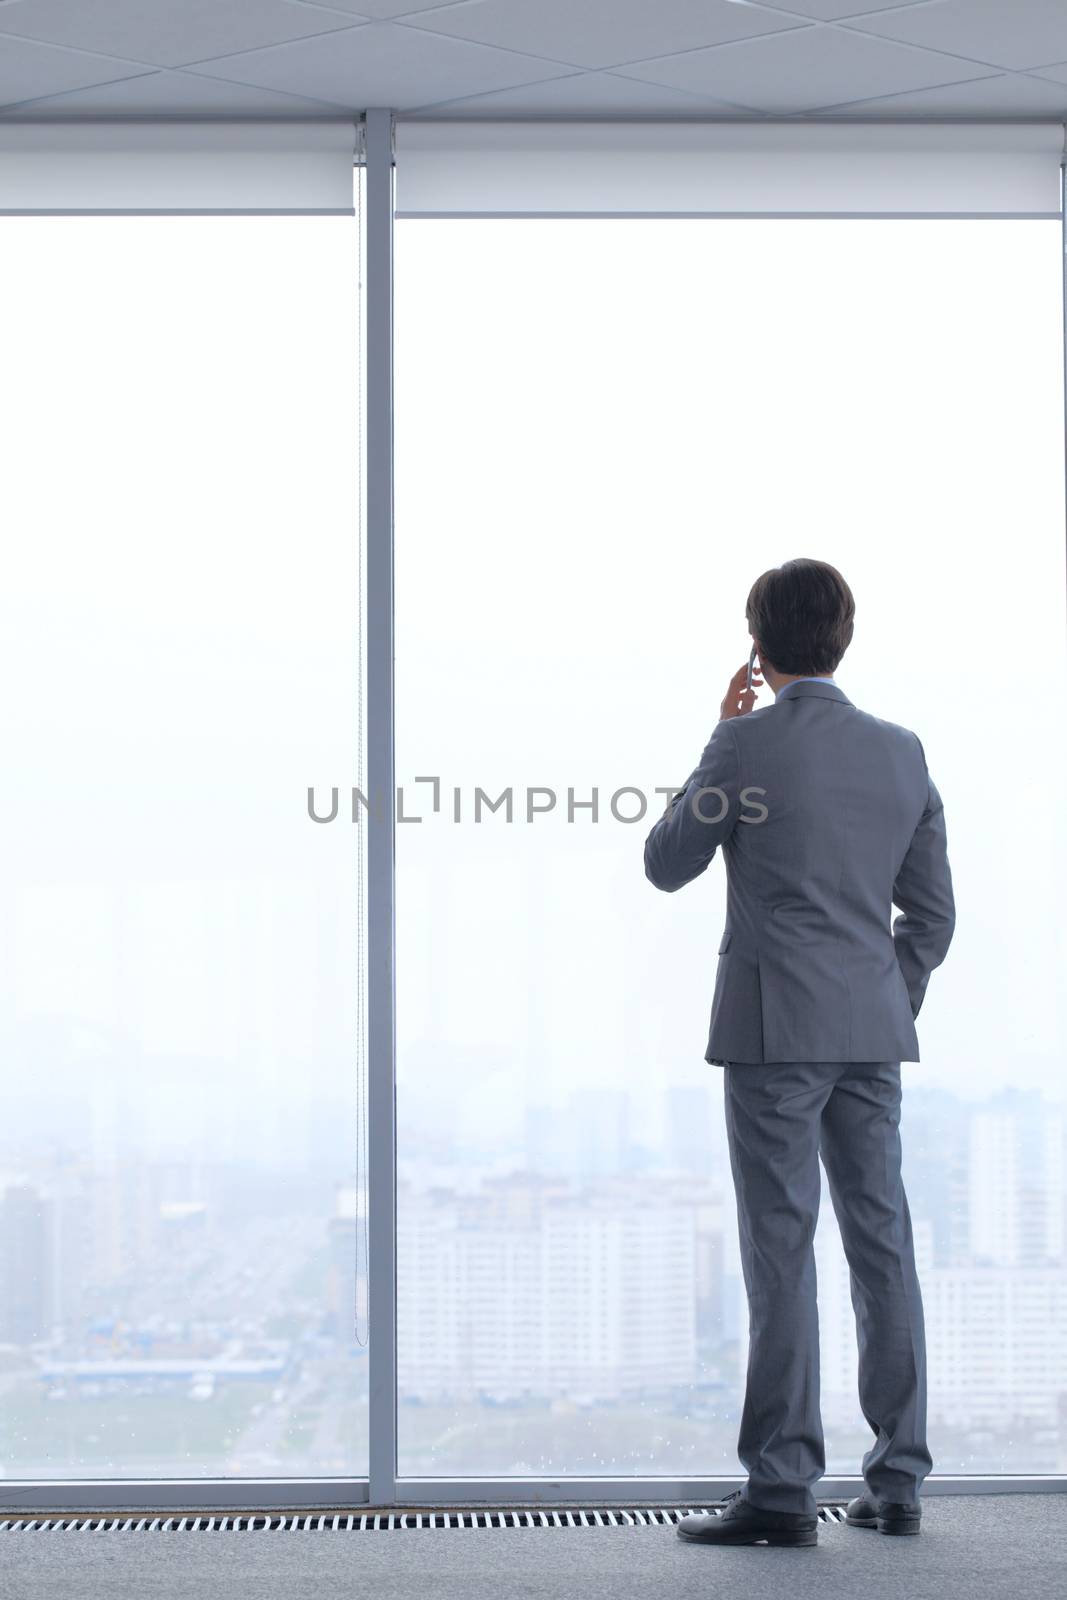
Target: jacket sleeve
point(923, 892)
point(698, 818)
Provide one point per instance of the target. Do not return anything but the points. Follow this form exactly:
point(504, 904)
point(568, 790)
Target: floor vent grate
point(379, 1521)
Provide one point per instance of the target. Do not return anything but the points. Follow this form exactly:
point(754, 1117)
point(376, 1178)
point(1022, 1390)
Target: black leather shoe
point(742, 1523)
point(888, 1516)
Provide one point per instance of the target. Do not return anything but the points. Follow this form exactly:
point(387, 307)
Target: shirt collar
point(803, 688)
point(817, 677)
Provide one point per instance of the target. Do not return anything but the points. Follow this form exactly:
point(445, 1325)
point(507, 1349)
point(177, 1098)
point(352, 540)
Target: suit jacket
point(827, 817)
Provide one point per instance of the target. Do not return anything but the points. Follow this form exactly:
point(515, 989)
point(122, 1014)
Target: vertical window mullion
point(380, 820)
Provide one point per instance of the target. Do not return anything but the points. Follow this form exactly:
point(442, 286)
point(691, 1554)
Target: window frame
point(384, 1487)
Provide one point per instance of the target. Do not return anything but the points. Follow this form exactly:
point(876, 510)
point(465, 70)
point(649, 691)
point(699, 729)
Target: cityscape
point(572, 1305)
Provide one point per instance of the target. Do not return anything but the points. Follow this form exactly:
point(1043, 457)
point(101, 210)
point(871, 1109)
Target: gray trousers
point(779, 1120)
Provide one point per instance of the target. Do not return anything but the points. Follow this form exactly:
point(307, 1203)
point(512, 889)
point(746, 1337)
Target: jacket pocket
point(725, 943)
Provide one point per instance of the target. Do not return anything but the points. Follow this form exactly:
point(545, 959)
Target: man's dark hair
point(802, 614)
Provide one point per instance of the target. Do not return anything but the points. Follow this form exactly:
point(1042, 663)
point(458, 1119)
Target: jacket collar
point(813, 686)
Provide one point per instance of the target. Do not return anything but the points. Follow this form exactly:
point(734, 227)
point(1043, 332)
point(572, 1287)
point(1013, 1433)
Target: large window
point(182, 1288)
point(606, 430)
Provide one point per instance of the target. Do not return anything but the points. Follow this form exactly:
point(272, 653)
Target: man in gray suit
point(827, 817)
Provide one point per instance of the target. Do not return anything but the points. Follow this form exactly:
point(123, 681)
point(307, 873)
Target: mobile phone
point(751, 665)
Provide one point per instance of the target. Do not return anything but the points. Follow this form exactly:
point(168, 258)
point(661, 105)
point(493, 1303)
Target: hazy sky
point(605, 430)
point(178, 636)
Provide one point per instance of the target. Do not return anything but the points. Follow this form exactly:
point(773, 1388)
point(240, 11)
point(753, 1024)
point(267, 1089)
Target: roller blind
point(718, 169)
point(251, 167)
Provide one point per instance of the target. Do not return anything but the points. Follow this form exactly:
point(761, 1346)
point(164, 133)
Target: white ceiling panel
point(169, 94)
point(28, 69)
point(165, 33)
point(1022, 33)
point(745, 58)
point(833, 10)
point(1055, 74)
point(805, 71)
point(588, 94)
point(382, 64)
point(379, 10)
point(1006, 95)
point(603, 33)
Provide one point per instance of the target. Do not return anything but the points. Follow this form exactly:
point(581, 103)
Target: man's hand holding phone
point(741, 695)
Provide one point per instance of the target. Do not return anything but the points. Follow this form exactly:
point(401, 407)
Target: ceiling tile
point(169, 94)
point(378, 10)
point(28, 69)
point(1009, 94)
point(602, 33)
point(382, 64)
point(795, 72)
point(586, 94)
point(1057, 73)
point(1022, 33)
point(834, 10)
point(166, 33)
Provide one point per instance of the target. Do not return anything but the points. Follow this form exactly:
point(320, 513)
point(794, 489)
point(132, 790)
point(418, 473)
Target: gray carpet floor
point(973, 1547)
